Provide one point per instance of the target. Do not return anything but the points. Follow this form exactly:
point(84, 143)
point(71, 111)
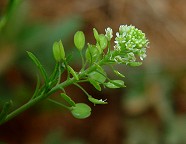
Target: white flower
point(117, 47)
point(109, 34)
point(103, 100)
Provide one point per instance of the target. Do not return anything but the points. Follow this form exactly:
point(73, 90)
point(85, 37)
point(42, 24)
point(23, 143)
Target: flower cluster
point(108, 34)
point(129, 43)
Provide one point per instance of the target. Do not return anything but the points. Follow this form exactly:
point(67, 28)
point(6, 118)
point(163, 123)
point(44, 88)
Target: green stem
point(60, 104)
point(45, 95)
point(82, 89)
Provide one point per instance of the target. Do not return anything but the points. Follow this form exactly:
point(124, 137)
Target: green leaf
point(81, 111)
point(118, 73)
point(96, 101)
point(95, 84)
point(68, 99)
point(73, 72)
point(115, 84)
point(38, 64)
point(98, 75)
point(134, 64)
point(92, 53)
point(5, 110)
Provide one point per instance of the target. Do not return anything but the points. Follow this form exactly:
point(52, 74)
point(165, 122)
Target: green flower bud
point(79, 40)
point(81, 111)
point(58, 51)
point(96, 35)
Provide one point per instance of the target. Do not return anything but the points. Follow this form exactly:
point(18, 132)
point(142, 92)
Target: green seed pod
point(58, 51)
point(103, 41)
point(96, 35)
point(96, 101)
point(81, 111)
point(79, 40)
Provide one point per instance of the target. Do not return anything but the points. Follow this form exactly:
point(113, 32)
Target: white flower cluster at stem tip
point(129, 43)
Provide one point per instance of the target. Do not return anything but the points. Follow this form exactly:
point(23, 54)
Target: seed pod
point(96, 101)
point(58, 51)
point(96, 35)
point(103, 41)
point(79, 40)
point(81, 111)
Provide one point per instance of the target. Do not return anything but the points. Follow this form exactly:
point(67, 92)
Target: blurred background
point(150, 110)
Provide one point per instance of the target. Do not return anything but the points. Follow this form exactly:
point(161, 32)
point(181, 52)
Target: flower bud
point(58, 51)
point(79, 40)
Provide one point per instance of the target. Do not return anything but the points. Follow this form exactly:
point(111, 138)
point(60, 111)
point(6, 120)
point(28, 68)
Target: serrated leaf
point(68, 99)
point(95, 84)
point(38, 64)
point(115, 84)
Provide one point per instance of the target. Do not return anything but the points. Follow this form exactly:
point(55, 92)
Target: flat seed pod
point(81, 111)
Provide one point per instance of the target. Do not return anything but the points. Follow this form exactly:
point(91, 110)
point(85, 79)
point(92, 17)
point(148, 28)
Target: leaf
point(73, 72)
point(118, 73)
point(92, 53)
point(98, 75)
point(68, 99)
point(81, 111)
point(38, 64)
point(115, 84)
point(95, 84)
point(134, 64)
point(96, 101)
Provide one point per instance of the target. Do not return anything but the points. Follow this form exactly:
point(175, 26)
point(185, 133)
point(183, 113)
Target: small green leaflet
point(38, 64)
point(95, 84)
point(115, 84)
point(68, 99)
